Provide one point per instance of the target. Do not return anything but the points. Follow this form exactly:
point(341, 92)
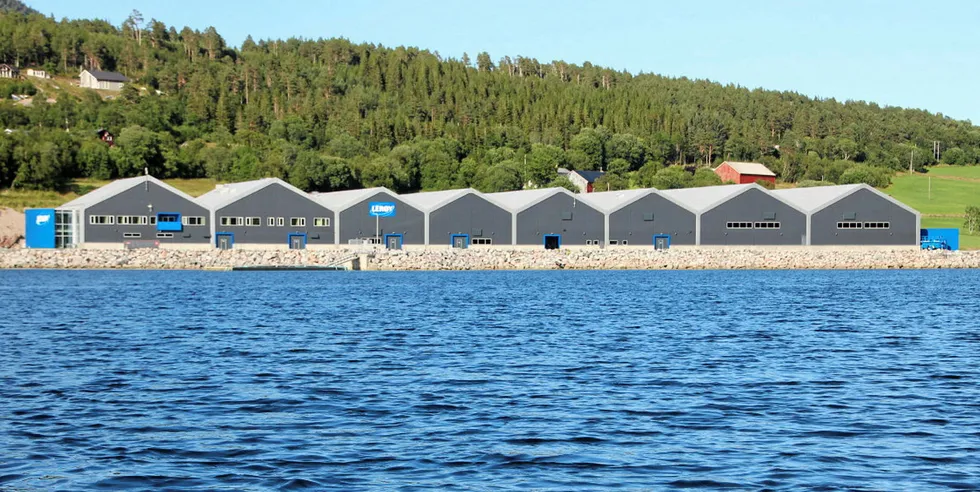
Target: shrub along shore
point(493, 259)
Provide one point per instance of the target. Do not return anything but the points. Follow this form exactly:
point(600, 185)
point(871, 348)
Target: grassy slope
point(953, 188)
point(19, 199)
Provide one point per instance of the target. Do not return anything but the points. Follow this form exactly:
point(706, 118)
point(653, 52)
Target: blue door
point(394, 241)
point(224, 240)
point(661, 241)
point(460, 241)
point(297, 241)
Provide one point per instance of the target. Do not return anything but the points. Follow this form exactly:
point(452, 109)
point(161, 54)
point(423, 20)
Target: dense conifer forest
point(328, 114)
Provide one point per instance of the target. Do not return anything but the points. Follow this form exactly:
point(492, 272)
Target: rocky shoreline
point(491, 259)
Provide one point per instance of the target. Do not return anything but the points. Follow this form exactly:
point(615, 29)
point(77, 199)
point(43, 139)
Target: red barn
point(744, 172)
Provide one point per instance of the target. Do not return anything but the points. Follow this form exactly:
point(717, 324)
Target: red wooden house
point(744, 172)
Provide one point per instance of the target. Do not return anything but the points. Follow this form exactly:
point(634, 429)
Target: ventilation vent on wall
point(850, 215)
point(566, 216)
point(769, 216)
point(648, 217)
point(476, 232)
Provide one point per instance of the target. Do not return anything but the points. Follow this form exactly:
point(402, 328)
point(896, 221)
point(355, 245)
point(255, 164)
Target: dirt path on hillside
point(11, 227)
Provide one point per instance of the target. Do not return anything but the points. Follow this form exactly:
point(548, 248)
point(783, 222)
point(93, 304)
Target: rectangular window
point(253, 221)
point(164, 235)
point(153, 220)
point(168, 218)
point(132, 235)
point(297, 221)
point(192, 221)
point(271, 221)
point(877, 225)
point(131, 220)
point(849, 225)
point(232, 221)
point(625, 242)
point(739, 225)
point(588, 242)
point(101, 219)
point(321, 222)
point(481, 241)
point(767, 225)
point(280, 221)
point(613, 242)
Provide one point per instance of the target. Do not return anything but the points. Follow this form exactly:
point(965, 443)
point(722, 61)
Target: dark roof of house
point(108, 76)
point(590, 176)
point(10, 67)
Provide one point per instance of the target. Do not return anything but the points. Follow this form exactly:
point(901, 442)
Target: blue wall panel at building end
point(39, 227)
point(948, 239)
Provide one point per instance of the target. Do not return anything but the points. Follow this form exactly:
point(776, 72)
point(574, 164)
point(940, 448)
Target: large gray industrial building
point(854, 215)
point(742, 215)
point(461, 218)
point(645, 217)
point(267, 212)
point(270, 213)
point(374, 215)
point(140, 210)
point(552, 218)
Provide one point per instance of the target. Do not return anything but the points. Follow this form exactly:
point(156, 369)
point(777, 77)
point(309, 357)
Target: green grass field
point(953, 189)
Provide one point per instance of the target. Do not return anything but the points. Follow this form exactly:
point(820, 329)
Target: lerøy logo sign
point(42, 219)
point(382, 209)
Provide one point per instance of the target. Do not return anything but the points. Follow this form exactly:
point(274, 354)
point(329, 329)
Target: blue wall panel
point(39, 227)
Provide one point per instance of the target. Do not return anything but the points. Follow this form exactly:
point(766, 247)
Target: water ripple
point(843, 380)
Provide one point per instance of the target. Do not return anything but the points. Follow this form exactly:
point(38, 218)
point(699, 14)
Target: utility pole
point(912, 156)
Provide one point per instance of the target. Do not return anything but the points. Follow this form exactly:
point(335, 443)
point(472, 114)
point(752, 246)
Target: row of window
point(481, 241)
point(273, 221)
point(751, 225)
point(864, 225)
point(142, 220)
point(137, 235)
point(612, 242)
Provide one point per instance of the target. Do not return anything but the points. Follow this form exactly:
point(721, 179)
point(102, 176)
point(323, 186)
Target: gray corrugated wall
point(467, 215)
point(276, 200)
point(545, 217)
point(136, 201)
point(751, 206)
point(355, 223)
point(628, 222)
point(868, 207)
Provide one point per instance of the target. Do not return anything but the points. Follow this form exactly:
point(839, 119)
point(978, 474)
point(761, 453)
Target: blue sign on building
point(382, 209)
point(39, 227)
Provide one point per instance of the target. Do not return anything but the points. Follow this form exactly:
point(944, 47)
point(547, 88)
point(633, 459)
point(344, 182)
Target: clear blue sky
point(923, 54)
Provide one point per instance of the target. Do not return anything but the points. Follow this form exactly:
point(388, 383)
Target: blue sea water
point(823, 380)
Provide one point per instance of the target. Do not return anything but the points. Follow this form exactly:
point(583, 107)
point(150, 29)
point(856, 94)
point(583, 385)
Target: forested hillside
point(329, 114)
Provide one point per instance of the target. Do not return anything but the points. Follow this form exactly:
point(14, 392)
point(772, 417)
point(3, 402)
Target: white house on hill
point(97, 79)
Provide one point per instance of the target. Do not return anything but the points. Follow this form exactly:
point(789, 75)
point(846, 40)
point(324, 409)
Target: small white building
point(38, 73)
point(96, 79)
point(8, 72)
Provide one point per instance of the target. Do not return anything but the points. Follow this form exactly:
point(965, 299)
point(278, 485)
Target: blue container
point(948, 239)
point(39, 227)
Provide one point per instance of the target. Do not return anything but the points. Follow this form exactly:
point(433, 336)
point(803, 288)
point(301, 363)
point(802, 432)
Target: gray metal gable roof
point(701, 200)
point(339, 201)
point(815, 198)
point(428, 201)
point(611, 201)
point(706, 198)
point(518, 201)
point(818, 198)
point(226, 194)
point(118, 186)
